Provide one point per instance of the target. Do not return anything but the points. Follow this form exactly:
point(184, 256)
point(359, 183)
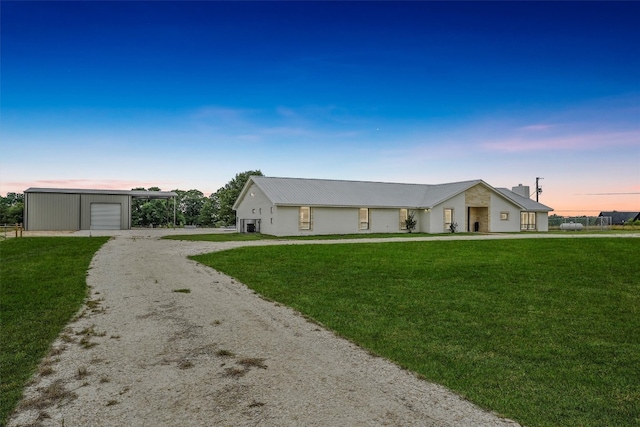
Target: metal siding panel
point(51, 211)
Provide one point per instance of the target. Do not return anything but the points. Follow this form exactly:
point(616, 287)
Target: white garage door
point(105, 216)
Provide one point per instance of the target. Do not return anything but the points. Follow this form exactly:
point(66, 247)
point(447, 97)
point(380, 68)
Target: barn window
point(305, 218)
point(364, 219)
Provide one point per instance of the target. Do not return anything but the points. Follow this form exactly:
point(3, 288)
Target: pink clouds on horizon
point(588, 141)
point(107, 184)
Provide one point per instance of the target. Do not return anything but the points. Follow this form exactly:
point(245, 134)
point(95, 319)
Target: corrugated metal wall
point(64, 211)
point(52, 211)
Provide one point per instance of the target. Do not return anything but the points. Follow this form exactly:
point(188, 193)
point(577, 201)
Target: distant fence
point(11, 229)
point(591, 223)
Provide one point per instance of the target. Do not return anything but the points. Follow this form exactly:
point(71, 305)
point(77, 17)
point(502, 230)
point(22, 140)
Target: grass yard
point(543, 331)
point(43, 284)
point(221, 237)
point(238, 237)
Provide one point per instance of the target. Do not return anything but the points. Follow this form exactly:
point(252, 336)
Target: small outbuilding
point(81, 209)
point(297, 206)
point(621, 218)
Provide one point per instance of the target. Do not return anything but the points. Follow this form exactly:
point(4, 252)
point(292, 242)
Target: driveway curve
point(165, 341)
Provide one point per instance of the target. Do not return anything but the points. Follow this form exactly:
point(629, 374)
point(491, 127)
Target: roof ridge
point(366, 182)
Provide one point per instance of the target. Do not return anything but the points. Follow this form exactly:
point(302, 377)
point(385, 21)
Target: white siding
point(456, 203)
point(325, 220)
point(499, 205)
point(542, 221)
point(275, 203)
point(254, 208)
point(288, 222)
point(385, 220)
point(423, 217)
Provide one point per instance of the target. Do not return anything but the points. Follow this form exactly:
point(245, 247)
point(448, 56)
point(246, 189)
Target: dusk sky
point(184, 95)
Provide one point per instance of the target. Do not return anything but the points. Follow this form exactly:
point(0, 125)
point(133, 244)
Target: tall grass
point(43, 284)
point(544, 331)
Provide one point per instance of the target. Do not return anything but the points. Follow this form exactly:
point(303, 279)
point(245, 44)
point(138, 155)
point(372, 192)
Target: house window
point(448, 218)
point(364, 219)
point(305, 218)
point(404, 213)
point(504, 216)
point(527, 220)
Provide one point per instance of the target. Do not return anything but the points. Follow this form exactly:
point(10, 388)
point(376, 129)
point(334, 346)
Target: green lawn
point(221, 237)
point(236, 237)
point(42, 285)
point(543, 331)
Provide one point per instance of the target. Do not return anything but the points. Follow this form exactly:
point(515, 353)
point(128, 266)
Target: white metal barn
point(296, 206)
point(79, 209)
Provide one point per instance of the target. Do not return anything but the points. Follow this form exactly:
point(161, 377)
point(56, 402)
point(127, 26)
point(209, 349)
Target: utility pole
point(538, 189)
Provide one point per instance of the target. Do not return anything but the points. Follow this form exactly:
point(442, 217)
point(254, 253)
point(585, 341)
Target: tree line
point(192, 206)
point(12, 208)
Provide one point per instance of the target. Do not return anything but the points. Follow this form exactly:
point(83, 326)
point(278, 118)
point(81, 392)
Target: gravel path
point(142, 354)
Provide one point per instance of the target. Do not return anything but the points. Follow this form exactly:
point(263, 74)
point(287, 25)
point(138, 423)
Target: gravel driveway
point(143, 354)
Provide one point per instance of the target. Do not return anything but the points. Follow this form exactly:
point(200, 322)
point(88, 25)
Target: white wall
point(283, 220)
point(542, 221)
point(456, 203)
point(384, 220)
point(256, 206)
point(498, 205)
point(326, 220)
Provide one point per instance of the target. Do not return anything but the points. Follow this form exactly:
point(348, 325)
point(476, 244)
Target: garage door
point(105, 216)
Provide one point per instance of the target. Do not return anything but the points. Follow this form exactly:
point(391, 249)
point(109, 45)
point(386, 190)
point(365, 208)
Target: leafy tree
point(225, 197)
point(151, 212)
point(190, 204)
point(207, 215)
point(12, 208)
point(154, 213)
point(136, 208)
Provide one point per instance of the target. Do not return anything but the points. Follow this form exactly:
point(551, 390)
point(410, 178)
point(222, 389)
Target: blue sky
point(187, 94)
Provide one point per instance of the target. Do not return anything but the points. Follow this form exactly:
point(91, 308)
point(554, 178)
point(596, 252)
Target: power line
point(607, 194)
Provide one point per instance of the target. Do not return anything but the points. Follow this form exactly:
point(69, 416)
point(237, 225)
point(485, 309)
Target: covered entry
point(105, 216)
point(478, 219)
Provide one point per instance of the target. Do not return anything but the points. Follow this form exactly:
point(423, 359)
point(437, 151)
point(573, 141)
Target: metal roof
point(133, 193)
point(339, 193)
point(525, 202)
point(326, 192)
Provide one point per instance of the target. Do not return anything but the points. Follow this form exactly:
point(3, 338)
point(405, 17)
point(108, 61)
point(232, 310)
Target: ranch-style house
point(298, 206)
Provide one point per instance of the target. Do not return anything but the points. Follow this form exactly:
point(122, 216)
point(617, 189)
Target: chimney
point(521, 190)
